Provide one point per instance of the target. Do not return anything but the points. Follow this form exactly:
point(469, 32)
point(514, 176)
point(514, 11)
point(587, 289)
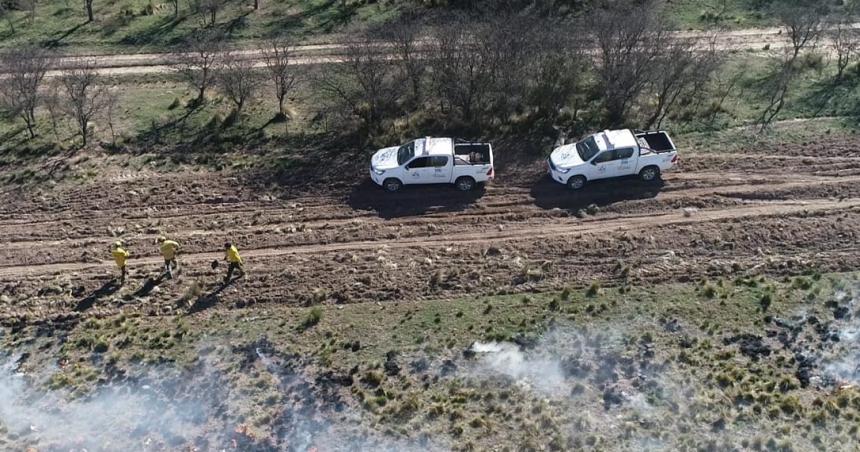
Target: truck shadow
point(411, 200)
point(549, 194)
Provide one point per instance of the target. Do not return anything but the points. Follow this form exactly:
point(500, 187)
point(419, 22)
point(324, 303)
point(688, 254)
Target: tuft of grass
point(593, 290)
point(565, 294)
point(312, 319)
point(709, 291)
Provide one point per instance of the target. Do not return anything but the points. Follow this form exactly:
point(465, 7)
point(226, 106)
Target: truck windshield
point(587, 148)
point(405, 152)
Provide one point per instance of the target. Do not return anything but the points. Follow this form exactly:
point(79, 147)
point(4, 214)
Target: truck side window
point(605, 156)
point(420, 162)
point(439, 161)
point(623, 154)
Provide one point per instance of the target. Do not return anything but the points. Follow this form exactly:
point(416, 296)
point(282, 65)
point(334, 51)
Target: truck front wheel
point(649, 173)
point(465, 183)
point(392, 185)
point(576, 182)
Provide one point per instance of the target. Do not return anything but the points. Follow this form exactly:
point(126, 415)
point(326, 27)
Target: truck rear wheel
point(576, 182)
point(649, 173)
point(392, 185)
point(465, 183)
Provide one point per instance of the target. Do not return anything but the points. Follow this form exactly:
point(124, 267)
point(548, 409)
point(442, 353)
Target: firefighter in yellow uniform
point(234, 260)
point(169, 249)
point(120, 255)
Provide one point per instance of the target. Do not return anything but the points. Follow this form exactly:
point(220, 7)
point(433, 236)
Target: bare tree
point(803, 21)
point(684, 71)
point(461, 70)
point(362, 85)
point(54, 104)
point(404, 39)
point(846, 41)
point(88, 5)
point(199, 60)
point(278, 55)
point(508, 44)
point(560, 66)
point(111, 102)
point(85, 96)
point(30, 7)
point(238, 80)
point(628, 37)
point(24, 68)
point(209, 10)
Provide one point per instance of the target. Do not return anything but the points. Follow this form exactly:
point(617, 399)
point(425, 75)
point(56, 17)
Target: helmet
point(160, 239)
point(117, 244)
point(227, 245)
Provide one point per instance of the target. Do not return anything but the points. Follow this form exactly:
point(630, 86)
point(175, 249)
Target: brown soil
point(717, 215)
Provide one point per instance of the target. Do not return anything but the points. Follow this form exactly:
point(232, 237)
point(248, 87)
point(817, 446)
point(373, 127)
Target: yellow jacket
point(233, 255)
point(169, 249)
point(120, 255)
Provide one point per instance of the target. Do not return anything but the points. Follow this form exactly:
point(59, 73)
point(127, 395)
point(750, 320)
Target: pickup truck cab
point(433, 161)
point(612, 153)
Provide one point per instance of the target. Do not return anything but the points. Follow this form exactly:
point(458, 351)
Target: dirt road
point(760, 39)
point(719, 216)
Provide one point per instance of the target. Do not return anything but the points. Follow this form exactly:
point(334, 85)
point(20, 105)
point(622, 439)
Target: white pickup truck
point(433, 161)
point(612, 153)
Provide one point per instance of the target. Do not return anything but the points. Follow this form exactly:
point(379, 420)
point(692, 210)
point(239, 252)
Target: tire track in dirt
point(496, 196)
point(552, 230)
point(488, 213)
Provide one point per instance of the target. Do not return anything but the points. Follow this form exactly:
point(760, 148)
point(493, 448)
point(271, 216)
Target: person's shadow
point(148, 285)
point(210, 299)
point(108, 288)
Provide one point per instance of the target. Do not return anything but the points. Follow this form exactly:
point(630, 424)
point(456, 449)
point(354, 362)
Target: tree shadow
point(12, 133)
point(237, 23)
point(105, 290)
point(833, 94)
point(549, 194)
point(156, 33)
point(157, 132)
point(412, 200)
point(56, 42)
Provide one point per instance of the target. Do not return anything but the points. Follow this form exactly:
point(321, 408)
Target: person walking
point(120, 256)
point(234, 260)
point(169, 250)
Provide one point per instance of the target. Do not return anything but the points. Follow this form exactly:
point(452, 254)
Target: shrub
point(709, 291)
point(593, 290)
point(373, 378)
point(314, 316)
point(565, 294)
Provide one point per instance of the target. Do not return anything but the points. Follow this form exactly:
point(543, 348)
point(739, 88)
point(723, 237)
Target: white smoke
point(165, 409)
point(107, 420)
point(541, 373)
point(843, 363)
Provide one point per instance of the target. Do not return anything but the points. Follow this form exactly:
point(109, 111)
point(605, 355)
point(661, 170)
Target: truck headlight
point(378, 172)
point(562, 170)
